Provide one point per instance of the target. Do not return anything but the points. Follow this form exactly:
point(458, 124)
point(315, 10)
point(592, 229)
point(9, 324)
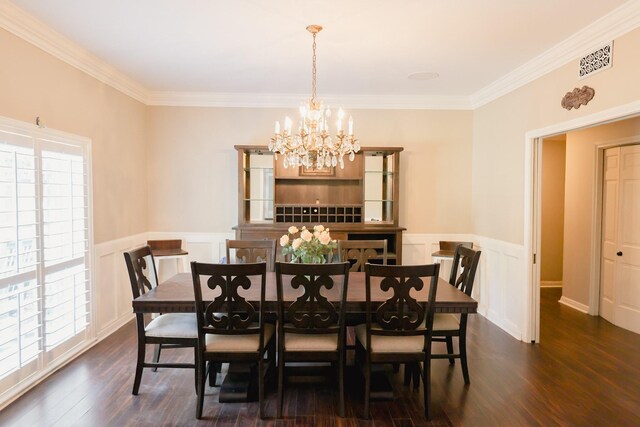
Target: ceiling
point(367, 47)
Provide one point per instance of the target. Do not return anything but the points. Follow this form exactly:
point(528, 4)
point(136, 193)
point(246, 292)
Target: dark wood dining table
point(176, 295)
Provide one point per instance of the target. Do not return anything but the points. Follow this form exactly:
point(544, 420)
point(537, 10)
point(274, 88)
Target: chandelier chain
point(313, 79)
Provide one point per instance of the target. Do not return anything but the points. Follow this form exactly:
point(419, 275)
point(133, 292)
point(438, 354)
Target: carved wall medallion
point(578, 97)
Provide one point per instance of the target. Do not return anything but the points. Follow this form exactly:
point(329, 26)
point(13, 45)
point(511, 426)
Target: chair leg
point(407, 374)
point(426, 383)
point(462, 344)
point(200, 394)
point(280, 383)
point(139, 367)
point(272, 362)
point(416, 375)
point(261, 385)
point(196, 362)
point(449, 339)
point(367, 385)
point(212, 371)
point(156, 356)
point(341, 384)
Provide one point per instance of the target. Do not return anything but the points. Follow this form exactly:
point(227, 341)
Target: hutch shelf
point(357, 202)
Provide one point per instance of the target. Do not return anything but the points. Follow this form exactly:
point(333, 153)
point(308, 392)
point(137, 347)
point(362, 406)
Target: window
point(45, 305)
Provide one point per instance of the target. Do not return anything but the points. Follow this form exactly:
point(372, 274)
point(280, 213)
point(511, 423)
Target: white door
point(609, 232)
point(620, 290)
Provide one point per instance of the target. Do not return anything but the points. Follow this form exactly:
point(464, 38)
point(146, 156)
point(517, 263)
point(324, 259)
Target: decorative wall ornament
point(598, 60)
point(578, 97)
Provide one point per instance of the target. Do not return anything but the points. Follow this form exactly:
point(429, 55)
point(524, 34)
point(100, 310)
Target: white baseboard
point(551, 283)
point(574, 304)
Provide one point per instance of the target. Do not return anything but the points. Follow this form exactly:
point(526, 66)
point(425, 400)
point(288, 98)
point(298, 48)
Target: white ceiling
point(367, 47)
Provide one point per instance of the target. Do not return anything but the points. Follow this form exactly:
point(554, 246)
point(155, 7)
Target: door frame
point(532, 199)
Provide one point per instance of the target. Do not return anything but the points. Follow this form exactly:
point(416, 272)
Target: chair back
point(172, 244)
point(252, 251)
point(142, 270)
point(229, 313)
point(451, 246)
point(361, 251)
point(466, 261)
point(319, 307)
point(401, 314)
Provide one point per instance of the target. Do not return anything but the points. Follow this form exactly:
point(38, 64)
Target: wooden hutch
point(357, 202)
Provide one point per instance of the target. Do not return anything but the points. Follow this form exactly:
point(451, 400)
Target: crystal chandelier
point(312, 145)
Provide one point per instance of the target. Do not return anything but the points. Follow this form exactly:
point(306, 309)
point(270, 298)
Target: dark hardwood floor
point(585, 372)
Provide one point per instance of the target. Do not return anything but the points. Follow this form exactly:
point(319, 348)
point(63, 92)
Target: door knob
point(619, 253)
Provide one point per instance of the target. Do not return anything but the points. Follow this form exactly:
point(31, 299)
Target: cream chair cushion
point(390, 344)
point(173, 325)
point(237, 343)
point(446, 322)
point(310, 342)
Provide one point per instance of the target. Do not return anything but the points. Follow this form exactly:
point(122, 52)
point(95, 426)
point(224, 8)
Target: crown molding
point(281, 100)
point(616, 23)
point(30, 29)
point(612, 25)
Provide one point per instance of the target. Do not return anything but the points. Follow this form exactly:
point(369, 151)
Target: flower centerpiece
point(309, 247)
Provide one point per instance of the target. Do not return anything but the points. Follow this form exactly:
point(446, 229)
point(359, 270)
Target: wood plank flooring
point(585, 372)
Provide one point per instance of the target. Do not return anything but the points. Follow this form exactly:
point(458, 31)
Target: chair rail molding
point(499, 287)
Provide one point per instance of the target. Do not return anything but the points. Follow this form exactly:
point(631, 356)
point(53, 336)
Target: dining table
point(175, 295)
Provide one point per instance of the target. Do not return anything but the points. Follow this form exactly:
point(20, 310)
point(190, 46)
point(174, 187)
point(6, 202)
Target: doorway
point(587, 139)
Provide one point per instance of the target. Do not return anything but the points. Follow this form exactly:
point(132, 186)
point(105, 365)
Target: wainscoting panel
point(112, 291)
point(499, 288)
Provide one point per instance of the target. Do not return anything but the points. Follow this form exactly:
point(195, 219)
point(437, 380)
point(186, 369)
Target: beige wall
point(500, 127)
point(34, 83)
point(579, 201)
point(193, 166)
point(552, 209)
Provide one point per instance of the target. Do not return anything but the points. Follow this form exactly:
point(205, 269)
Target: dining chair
point(169, 330)
point(168, 250)
point(359, 252)
point(311, 327)
point(446, 326)
point(446, 250)
point(229, 328)
point(399, 330)
point(251, 251)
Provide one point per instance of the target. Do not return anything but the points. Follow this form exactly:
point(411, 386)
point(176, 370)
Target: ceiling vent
point(596, 61)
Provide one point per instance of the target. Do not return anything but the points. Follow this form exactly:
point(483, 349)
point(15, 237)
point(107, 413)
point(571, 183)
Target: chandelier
point(312, 145)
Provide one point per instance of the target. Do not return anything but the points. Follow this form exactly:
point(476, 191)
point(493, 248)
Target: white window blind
point(45, 307)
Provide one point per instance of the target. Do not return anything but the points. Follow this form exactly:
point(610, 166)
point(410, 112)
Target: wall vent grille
point(596, 61)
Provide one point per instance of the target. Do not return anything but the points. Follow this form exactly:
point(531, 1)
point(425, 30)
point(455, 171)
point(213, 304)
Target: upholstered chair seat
point(238, 343)
point(173, 325)
point(307, 342)
point(446, 322)
point(390, 344)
